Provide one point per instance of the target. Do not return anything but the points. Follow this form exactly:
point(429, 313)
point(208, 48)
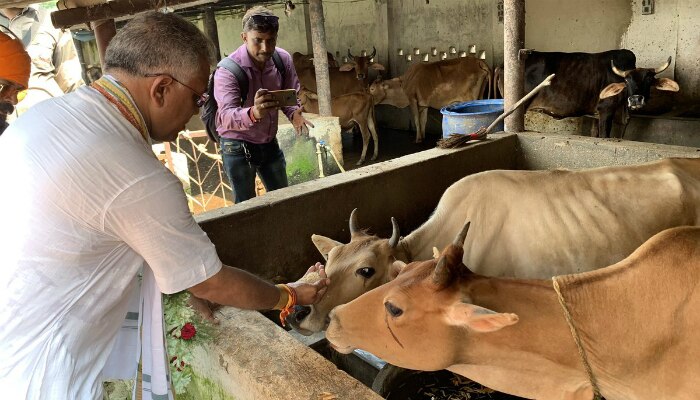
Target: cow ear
point(347, 67)
point(324, 244)
point(377, 66)
point(479, 319)
point(666, 84)
point(611, 90)
point(396, 269)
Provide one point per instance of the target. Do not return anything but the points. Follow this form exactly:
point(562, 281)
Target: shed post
point(211, 30)
point(104, 32)
point(513, 65)
point(318, 38)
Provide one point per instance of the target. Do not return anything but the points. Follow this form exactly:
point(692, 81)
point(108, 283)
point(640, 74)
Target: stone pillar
point(211, 30)
point(513, 41)
point(318, 38)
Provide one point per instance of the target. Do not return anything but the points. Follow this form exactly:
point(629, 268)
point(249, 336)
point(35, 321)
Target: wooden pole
point(513, 41)
point(318, 38)
point(104, 32)
point(211, 30)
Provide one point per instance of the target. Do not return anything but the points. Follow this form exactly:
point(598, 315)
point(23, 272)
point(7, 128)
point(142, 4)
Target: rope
point(577, 339)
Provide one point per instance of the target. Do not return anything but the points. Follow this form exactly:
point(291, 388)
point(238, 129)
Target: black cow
point(586, 83)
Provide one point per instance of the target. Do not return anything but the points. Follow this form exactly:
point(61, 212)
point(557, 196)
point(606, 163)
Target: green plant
point(184, 329)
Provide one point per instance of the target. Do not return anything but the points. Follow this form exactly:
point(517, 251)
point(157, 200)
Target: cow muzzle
point(635, 102)
point(296, 317)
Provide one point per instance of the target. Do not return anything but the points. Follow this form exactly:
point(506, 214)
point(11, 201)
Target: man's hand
point(301, 124)
point(311, 293)
point(263, 104)
point(204, 307)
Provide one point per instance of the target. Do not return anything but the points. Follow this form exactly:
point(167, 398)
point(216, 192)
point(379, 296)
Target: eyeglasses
point(199, 99)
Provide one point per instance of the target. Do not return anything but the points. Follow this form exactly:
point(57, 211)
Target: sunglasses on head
point(265, 19)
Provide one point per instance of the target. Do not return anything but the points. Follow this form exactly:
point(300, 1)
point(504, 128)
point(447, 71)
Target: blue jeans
point(242, 160)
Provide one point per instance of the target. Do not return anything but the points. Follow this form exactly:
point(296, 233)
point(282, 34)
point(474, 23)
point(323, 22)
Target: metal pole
point(104, 32)
point(211, 30)
point(318, 38)
point(513, 41)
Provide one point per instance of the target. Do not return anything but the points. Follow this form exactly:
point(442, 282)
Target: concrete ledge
point(252, 358)
point(545, 151)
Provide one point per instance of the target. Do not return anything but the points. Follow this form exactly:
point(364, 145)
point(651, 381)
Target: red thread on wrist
point(291, 302)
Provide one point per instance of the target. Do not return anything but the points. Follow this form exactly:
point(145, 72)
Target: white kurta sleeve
point(151, 216)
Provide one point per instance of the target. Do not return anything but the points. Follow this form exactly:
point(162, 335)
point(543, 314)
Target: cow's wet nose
point(635, 102)
point(301, 312)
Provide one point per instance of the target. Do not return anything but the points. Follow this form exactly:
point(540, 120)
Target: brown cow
point(304, 61)
point(637, 322)
point(342, 79)
point(352, 108)
point(586, 219)
point(435, 85)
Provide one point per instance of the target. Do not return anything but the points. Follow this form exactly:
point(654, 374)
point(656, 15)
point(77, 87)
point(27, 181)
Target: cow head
point(422, 319)
point(389, 92)
point(304, 61)
point(361, 64)
point(353, 268)
point(638, 83)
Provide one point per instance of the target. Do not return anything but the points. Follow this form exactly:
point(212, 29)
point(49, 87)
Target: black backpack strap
point(279, 64)
point(240, 75)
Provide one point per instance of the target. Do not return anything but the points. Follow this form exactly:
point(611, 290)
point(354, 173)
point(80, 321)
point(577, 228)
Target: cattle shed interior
point(419, 29)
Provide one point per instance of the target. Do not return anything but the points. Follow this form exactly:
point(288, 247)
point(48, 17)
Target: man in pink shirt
point(248, 131)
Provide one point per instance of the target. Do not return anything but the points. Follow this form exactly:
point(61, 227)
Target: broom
point(459, 139)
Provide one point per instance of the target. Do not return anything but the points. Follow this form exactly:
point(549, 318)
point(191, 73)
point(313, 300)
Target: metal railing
point(203, 176)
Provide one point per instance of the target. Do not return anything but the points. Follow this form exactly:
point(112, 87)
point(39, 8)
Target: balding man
point(15, 66)
point(91, 206)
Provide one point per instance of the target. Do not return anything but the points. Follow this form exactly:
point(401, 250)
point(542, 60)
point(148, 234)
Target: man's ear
point(324, 244)
point(612, 90)
point(477, 318)
point(395, 269)
point(159, 87)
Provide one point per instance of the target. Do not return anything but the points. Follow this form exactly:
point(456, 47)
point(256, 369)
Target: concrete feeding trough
point(252, 357)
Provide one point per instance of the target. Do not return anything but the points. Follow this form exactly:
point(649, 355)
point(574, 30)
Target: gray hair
point(260, 24)
point(155, 42)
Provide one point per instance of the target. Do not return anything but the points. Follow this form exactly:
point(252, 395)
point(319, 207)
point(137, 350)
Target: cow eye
point(365, 272)
point(392, 309)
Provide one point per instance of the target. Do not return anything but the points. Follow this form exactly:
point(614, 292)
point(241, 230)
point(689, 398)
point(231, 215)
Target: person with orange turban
point(15, 66)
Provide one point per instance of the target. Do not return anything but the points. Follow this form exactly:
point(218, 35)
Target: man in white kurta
point(85, 205)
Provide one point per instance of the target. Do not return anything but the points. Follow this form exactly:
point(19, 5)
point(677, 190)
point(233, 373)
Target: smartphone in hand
point(285, 98)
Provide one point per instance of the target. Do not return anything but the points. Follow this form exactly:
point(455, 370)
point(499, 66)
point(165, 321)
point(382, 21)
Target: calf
point(633, 325)
point(351, 109)
point(530, 224)
point(435, 85)
point(348, 78)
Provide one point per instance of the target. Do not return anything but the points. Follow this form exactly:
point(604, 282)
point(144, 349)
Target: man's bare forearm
point(235, 287)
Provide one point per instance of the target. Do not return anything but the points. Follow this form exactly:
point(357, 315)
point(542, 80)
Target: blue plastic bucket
point(469, 116)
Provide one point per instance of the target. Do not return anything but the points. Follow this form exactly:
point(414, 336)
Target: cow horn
point(621, 74)
point(459, 240)
point(353, 223)
point(663, 67)
point(441, 274)
point(350, 56)
point(395, 234)
point(374, 52)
